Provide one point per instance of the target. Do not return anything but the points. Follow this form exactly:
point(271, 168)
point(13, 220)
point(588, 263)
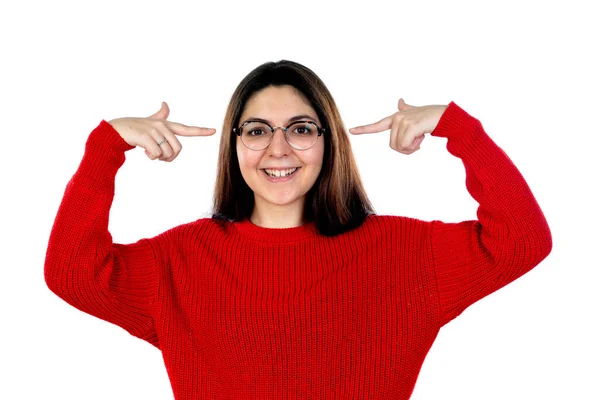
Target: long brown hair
point(337, 202)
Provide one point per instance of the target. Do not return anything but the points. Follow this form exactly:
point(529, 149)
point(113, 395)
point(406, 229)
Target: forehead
point(277, 102)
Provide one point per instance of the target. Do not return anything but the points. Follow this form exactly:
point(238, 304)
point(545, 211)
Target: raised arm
point(83, 266)
point(510, 236)
point(472, 259)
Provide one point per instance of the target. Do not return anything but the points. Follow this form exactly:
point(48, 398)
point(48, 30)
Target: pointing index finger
point(185, 130)
point(380, 126)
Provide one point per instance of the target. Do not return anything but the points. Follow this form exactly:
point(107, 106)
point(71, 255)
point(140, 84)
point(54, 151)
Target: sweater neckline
point(249, 230)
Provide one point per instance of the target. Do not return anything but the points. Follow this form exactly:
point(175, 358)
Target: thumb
point(402, 105)
point(163, 113)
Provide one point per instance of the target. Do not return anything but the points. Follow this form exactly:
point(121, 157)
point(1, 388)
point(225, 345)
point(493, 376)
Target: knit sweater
point(245, 312)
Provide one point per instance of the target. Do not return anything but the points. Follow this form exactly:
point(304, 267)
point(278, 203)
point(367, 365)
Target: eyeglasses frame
point(320, 131)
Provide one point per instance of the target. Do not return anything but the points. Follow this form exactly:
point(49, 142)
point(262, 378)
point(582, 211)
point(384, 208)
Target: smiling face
point(284, 195)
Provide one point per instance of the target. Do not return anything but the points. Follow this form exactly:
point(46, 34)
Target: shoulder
point(392, 229)
point(414, 232)
point(192, 231)
point(392, 223)
point(204, 227)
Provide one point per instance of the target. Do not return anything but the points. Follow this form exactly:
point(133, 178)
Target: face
point(278, 105)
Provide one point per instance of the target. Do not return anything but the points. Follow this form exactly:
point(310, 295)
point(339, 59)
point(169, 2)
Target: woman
point(294, 288)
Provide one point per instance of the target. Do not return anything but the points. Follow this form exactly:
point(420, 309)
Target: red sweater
point(244, 312)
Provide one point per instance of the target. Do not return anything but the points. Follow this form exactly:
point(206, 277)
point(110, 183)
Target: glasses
point(257, 135)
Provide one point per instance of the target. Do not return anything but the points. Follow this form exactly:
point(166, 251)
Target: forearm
point(507, 204)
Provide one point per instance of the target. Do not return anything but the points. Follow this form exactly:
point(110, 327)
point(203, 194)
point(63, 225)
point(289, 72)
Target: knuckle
point(157, 123)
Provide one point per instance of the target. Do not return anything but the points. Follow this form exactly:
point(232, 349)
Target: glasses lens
point(302, 135)
point(256, 135)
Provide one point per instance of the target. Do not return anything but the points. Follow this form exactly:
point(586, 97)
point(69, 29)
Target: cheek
point(247, 159)
point(240, 155)
point(315, 158)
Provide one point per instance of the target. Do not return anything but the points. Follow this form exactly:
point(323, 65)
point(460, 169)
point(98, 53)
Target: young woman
point(294, 288)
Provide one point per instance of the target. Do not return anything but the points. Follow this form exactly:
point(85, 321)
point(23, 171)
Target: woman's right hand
point(155, 134)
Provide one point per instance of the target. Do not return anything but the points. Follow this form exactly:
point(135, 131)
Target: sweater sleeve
point(510, 236)
point(114, 282)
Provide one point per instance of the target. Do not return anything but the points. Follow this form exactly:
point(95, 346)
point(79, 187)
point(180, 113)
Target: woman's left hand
point(408, 126)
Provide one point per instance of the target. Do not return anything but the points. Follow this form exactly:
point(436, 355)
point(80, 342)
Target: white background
point(526, 69)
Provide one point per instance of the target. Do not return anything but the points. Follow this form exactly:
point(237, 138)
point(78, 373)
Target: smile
point(280, 174)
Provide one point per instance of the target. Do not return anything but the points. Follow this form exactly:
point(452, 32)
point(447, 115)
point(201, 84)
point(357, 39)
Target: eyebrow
point(295, 118)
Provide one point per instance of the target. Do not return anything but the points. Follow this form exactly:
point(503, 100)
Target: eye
point(256, 132)
point(303, 129)
point(255, 129)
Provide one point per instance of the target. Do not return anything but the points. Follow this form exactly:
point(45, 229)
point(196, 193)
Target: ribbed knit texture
point(244, 312)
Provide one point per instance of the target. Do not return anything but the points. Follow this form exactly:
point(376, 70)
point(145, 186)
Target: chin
point(282, 200)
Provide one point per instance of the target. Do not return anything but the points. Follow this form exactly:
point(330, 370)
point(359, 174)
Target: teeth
point(275, 173)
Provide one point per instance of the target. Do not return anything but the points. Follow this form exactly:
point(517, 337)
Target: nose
point(279, 145)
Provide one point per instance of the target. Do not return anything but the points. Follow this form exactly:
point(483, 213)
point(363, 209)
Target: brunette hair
point(337, 202)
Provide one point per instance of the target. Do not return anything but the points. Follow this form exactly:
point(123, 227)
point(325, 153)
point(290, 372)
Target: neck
point(277, 216)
